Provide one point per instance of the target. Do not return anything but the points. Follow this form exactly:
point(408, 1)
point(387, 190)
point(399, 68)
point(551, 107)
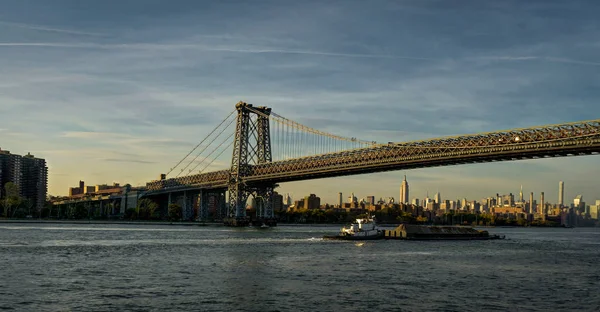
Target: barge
point(426, 232)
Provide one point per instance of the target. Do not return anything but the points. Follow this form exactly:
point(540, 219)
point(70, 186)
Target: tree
point(174, 212)
point(146, 208)
point(11, 199)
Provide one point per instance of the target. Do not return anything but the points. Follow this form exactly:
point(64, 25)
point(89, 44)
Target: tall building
point(531, 203)
point(340, 200)
point(29, 174)
point(542, 206)
point(277, 202)
point(34, 181)
point(521, 194)
point(437, 198)
point(561, 193)
point(415, 201)
point(312, 202)
point(371, 200)
point(404, 191)
point(10, 170)
point(352, 199)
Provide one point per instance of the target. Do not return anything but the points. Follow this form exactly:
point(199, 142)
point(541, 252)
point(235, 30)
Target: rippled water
point(60, 267)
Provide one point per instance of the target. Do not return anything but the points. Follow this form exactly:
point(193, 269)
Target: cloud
point(137, 161)
point(542, 59)
point(51, 29)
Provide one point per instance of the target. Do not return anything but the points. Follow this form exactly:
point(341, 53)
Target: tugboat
point(361, 229)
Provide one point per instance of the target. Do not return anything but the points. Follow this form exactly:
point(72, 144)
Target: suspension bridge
point(268, 149)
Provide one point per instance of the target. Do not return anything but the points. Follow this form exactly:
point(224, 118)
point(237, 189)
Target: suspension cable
point(215, 129)
point(204, 149)
point(214, 150)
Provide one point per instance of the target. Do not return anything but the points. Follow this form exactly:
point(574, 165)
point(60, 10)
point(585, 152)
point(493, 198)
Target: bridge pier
point(212, 205)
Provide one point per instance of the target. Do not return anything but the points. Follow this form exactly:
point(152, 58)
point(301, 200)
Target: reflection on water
point(168, 268)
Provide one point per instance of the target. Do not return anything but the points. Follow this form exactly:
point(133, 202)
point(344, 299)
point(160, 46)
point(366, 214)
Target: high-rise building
point(531, 203)
point(312, 202)
point(561, 193)
point(340, 200)
point(437, 198)
point(521, 194)
point(542, 206)
point(29, 174)
point(371, 200)
point(34, 181)
point(352, 199)
point(404, 191)
point(277, 202)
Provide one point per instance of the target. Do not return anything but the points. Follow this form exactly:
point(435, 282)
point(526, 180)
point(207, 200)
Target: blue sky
point(121, 90)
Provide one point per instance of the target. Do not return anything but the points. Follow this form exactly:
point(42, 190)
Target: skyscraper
point(404, 191)
point(340, 200)
point(531, 203)
point(561, 193)
point(521, 194)
point(437, 198)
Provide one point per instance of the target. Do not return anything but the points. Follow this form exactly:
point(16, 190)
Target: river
point(111, 267)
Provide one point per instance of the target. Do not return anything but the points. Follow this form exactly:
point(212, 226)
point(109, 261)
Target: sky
point(119, 91)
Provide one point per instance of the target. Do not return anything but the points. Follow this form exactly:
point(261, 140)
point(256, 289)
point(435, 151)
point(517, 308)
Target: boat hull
point(352, 238)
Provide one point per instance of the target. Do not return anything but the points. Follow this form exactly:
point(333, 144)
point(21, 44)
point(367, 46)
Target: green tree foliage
point(147, 209)
point(12, 200)
point(174, 212)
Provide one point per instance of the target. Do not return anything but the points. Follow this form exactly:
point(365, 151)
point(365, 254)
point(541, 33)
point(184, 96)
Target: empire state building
point(404, 192)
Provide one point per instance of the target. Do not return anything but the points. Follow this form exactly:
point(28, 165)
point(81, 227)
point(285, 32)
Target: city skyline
point(548, 195)
point(122, 99)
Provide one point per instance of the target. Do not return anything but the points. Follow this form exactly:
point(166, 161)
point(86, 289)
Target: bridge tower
point(252, 146)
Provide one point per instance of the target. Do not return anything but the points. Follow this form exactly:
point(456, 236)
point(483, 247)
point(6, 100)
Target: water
point(61, 267)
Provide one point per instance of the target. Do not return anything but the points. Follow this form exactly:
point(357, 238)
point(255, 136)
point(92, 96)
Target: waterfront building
point(340, 200)
point(28, 173)
point(404, 192)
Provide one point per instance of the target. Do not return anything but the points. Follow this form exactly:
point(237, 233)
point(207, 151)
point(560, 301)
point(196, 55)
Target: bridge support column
point(252, 146)
point(211, 205)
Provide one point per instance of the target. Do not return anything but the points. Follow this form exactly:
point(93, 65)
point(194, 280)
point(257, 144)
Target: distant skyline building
point(404, 192)
point(371, 200)
point(561, 193)
point(531, 203)
point(542, 206)
point(521, 194)
point(352, 199)
point(340, 200)
point(437, 198)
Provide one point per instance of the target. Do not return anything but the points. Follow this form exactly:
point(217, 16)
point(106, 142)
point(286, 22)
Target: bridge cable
point(204, 149)
point(214, 150)
point(186, 156)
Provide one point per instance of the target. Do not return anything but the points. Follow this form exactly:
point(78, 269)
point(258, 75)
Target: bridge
point(268, 149)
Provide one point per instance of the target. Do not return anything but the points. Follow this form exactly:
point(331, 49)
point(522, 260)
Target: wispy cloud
point(51, 29)
point(541, 59)
point(121, 160)
point(201, 47)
